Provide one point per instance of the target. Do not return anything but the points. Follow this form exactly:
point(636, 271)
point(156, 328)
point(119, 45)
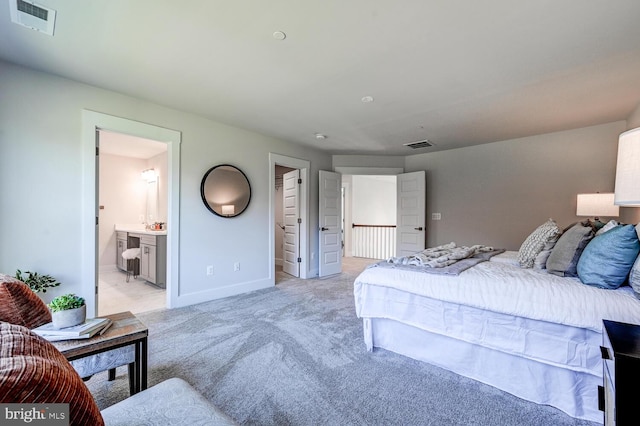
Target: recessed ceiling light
point(320, 136)
point(279, 35)
point(367, 99)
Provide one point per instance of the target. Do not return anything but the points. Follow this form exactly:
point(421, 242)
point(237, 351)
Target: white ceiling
point(456, 72)
point(130, 146)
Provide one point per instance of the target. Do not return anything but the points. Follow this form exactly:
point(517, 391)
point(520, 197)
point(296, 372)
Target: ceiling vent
point(419, 144)
point(33, 15)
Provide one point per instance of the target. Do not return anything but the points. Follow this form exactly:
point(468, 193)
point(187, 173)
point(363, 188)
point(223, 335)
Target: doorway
point(92, 122)
point(132, 192)
point(279, 165)
point(287, 230)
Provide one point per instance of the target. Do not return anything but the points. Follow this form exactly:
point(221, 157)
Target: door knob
point(418, 229)
point(324, 229)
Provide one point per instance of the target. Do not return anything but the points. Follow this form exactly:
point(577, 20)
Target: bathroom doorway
point(132, 203)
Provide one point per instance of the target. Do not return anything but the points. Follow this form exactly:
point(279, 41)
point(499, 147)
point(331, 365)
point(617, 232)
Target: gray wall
point(634, 119)
point(497, 193)
point(41, 184)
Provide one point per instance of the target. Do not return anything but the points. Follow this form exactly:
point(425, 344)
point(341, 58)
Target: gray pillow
point(563, 260)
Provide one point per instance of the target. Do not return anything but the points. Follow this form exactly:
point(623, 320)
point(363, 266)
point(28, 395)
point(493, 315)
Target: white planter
point(70, 317)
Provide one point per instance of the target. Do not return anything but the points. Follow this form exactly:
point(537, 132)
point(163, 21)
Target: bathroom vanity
point(153, 253)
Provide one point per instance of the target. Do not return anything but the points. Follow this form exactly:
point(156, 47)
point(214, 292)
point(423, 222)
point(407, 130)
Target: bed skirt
point(574, 392)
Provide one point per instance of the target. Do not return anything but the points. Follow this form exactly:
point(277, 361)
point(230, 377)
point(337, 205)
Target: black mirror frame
point(204, 199)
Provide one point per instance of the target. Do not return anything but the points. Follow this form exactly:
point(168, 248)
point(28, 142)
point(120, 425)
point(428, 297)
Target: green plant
point(65, 302)
point(38, 283)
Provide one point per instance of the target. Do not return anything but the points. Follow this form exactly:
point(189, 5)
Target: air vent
point(419, 144)
point(33, 15)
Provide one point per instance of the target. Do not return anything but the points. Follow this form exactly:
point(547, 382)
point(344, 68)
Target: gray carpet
point(294, 355)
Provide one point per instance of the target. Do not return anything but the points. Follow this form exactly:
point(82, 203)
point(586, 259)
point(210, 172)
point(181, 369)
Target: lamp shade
point(149, 175)
point(228, 209)
point(628, 169)
point(597, 205)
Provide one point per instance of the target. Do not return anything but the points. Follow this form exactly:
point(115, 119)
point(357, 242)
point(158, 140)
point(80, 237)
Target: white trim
point(221, 292)
point(92, 121)
point(304, 166)
point(375, 171)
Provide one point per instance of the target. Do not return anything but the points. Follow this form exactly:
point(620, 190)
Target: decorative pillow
point(540, 261)
point(608, 258)
point(607, 227)
point(563, 260)
point(544, 235)
point(33, 371)
point(20, 305)
point(634, 277)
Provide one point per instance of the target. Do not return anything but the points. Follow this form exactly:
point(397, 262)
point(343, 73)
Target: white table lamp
point(597, 205)
point(228, 209)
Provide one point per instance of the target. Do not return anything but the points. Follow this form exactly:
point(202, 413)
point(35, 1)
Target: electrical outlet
point(236, 266)
point(210, 270)
point(436, 216)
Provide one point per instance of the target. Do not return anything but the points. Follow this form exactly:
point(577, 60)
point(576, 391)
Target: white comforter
point(505, 288)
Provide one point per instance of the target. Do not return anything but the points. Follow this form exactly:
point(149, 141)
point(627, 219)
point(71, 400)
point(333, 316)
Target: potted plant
point(36, 282)
point(67, 310)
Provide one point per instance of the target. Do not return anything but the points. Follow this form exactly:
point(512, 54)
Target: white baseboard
point(279, 262)
point(219, 293)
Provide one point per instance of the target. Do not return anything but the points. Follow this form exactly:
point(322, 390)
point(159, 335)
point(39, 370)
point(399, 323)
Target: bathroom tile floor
point(115, 294)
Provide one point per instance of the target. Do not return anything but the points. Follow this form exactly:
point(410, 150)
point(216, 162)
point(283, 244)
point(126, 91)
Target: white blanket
point(508, 289)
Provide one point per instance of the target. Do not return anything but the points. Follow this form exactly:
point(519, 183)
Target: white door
point(330, 212)
point(96, 260)
point(410, 232)
point(291, 209)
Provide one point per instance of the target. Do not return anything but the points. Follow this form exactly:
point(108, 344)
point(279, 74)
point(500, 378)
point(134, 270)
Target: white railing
point(373, 241)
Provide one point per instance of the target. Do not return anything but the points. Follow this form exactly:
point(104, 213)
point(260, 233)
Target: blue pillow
point(608, 258)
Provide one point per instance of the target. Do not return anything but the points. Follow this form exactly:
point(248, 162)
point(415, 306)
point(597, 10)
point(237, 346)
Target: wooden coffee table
point(125, 330)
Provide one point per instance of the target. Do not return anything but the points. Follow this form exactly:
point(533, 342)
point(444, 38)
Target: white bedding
point(502, 287)
point(529, 333)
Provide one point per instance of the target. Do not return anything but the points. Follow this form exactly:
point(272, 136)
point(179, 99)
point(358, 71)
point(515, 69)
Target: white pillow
point(607, 227)
point(634, 277)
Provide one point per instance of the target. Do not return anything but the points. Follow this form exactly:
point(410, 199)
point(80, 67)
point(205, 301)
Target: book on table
point(89, 328)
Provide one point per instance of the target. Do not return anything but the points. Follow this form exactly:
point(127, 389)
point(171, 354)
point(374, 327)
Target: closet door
point(411, 205)
point(291, 209)
point(330, 220)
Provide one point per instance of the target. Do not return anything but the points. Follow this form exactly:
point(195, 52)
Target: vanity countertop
point(138, 229)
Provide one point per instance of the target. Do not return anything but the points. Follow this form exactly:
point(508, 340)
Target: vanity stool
point(132, 257)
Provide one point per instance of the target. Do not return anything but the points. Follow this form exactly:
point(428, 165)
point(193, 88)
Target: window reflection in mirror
point(225, 190)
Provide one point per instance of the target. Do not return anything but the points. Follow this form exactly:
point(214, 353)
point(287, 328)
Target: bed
point(523, 330)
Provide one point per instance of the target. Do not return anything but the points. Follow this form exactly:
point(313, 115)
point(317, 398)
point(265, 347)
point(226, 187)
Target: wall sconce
point(149, 175)
point(628, 169)
point(597, 205)
point(228, 210)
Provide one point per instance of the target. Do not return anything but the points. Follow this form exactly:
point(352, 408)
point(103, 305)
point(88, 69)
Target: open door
point(411, 230)
point(291, 209)
point(330, 219)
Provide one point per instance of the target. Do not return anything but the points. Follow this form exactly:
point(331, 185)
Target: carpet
point(294, 355)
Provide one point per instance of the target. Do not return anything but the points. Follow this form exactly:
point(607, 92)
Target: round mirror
point(225, 190)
